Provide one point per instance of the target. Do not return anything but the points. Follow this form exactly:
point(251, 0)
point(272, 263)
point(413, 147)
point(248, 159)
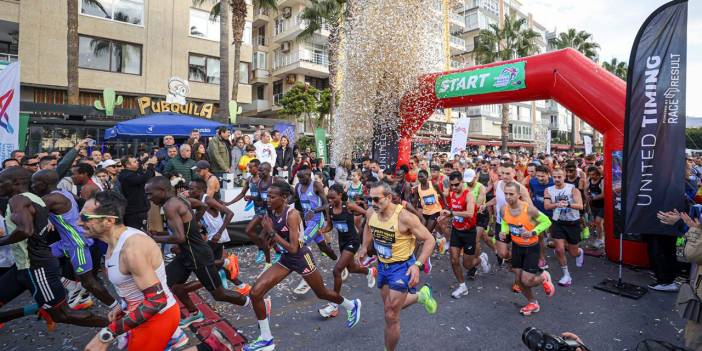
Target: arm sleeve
point(504, 228)
point(544, 223)
point(155, 300)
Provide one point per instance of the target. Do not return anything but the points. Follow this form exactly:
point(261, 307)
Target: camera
point(537, 340)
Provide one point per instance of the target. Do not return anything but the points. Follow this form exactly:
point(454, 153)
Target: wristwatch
point(106, 336)
point(420, 265)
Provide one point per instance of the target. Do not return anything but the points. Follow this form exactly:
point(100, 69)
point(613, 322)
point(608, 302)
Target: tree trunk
point(72, 53)
point(505, 126)
point(224, 61)
point(238, 22)
point(572, 131)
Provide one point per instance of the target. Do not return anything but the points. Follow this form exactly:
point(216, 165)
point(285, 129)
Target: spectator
point(96, 155)
point(218, 152)
point(238, 151)
point(101, 179)
point(172, 152)
point(132, 180)
point(31, 163)
point(247, 140)
point(297, 164)
point(199, 152)
point(343, 171)
point(237, 134)
point(275, 138)
point(182, 163)
point(693, 290)
point(47, 162)
point(65, 164)
point(250, 155)
point(10, 162)
point(168, 140)
point(265, 152)
point(284, 158)
point(17, 155)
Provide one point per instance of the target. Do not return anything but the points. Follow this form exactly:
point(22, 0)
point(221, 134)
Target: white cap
point(107, 163)
point(468, 175)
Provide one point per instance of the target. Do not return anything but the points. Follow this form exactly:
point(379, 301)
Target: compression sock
point(347, 304)
point(565, 270)
point(265, 329)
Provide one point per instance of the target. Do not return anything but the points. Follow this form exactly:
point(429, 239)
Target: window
point(247, 33)
point(203, 69)
point(318, 83)
point(472, 20)
point(259, 60)
point(109, 55)
point(277, 91)
point(279, 25)
point(128, 11)
point(243, 73)
point(203, 26)
point(261, 36)
point(261, 92)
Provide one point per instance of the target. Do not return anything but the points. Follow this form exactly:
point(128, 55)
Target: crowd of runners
point(485, 210)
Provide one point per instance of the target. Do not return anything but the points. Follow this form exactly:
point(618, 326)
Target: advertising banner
point(481, 81)
point(460, 135)
point(9, 109)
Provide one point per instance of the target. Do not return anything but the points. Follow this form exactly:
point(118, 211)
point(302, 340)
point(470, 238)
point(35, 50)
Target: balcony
point(8, 58)
point(458, 45)
point(307, 62)
point(260, 43)
point(261, 17)
point(260, 76)
point(456, 21)
point(291, 28)
point(457, 64)
point(257, 106)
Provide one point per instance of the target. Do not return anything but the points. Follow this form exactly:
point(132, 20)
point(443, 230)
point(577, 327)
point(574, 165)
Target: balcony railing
point(260, 40)
point(301, 55)
point(262, 11)
point(457, 18)
point(458, 42)
point(8, 57)
point(520, 136)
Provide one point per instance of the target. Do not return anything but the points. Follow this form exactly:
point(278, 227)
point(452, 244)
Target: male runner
point(313, 202)
point(202, 169)
point(595, 196)
point(537, 186)
point(36, 269)
point(464, 237)
point(482, 221)
point(565, 202)
point(394, 233)
point(194, 256)
point(148, 311)
point(524, 223)
point(283, 227)
point(578, 178)
point(63, 215)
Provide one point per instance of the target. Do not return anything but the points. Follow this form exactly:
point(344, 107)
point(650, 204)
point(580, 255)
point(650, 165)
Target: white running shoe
point(672, 287)
point(82, 302)
point(462, 290)
point(372, 273)
point(484, 264)
point(331, 310)
point(344, 275)
point(302, 288)
point(580, 259)
point(566, 281)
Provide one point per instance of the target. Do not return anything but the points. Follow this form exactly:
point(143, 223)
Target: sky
point(614, 24)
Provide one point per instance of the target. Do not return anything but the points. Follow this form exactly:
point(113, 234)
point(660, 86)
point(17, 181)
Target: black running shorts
point(464, 239)
point(526, 258)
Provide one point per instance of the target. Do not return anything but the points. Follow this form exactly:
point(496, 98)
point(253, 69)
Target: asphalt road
point(486, 319)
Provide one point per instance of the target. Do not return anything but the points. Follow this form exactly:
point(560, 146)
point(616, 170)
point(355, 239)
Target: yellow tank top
point(516, 223)
point(390, 244)
point(429, 199)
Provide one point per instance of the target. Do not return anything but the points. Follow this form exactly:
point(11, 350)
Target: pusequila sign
point(481, 81)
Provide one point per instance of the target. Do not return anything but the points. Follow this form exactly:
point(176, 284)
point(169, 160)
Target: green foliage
point(616, 67)
point(305, 102)
point(693, 138)
point(108, 95)
point(319, 12)
point(578, 40)
point(512, 41)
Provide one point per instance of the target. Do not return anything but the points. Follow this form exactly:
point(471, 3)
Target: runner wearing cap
point(202, 169)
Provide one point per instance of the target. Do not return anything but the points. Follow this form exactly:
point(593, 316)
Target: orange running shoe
point(549, 288)
point(244, 290)
point(50, 324)
point(516, 288)
point(531, 307)
point(232, 266)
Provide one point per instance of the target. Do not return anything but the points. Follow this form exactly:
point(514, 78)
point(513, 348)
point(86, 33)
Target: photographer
point(132, 180)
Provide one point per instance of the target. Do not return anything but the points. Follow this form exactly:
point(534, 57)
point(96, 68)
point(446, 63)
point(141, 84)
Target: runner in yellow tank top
point(524, 223)
point(394, 232)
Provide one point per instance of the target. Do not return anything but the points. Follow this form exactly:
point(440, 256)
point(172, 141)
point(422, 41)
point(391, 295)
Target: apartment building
point(133, 47)
point(280, 60)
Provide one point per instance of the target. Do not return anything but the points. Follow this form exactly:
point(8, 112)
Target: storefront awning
point(160, 124)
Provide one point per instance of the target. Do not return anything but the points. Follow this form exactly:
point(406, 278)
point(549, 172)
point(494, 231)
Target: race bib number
point(515, 230)
point(264, 195)
point(254, 194)
point(341, 227)
point(305, 205)
point(429, 199)
point(458, 219)
point(384, 251)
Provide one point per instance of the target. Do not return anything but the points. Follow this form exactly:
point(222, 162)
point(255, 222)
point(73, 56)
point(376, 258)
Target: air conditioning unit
point(290, 79)
point(287, 12)
point(285, 47)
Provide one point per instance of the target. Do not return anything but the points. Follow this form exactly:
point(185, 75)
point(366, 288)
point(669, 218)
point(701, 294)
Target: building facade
point(133, 47)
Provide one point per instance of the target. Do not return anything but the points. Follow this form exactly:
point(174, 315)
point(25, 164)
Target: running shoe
point(549, 288)
point(462, 290)
point(223, 278)
point(82, 303)
point(672, 287)
point(50, 324)
point(516, 288)
point(369, 261)
point(231, 264)
point(260, 257)
point(178, 340)
point(353, 316)
point(244, 289)
point(260, 344)
point(484, 263)
point(302, 288)
point(427, 266)
point(580, 259)
point(472, 273)
point(531, 307)
point(192, 318)
point(372, 273)
point(599, 243)
point(331, 310)
point(566, 281)
point(426, 299)
point(441, 245)
point(276, 257)
point(218, 342)
point(344, 275)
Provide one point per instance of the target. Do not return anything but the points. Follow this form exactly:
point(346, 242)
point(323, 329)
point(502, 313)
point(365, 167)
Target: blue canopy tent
point(160, 124)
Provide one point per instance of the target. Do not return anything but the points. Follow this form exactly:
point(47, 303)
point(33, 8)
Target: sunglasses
point(86, 217)
point(455, 185)
point(375, 198)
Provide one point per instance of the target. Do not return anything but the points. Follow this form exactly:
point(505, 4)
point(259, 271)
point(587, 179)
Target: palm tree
point(330, 13)
point(72, 53)
point(581, 41)
point(512, 41)
point(616, 67)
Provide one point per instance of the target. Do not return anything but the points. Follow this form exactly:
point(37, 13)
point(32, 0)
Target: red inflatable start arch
point(566, 76)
